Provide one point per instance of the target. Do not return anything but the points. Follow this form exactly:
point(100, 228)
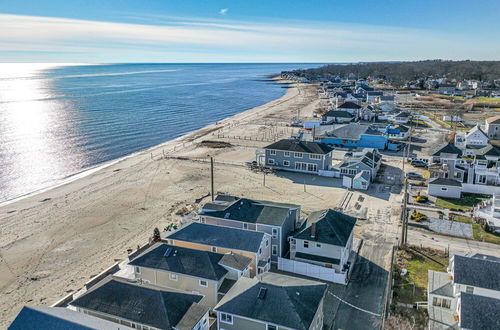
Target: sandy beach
point(53, 242)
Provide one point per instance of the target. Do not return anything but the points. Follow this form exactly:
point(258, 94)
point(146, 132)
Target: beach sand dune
point(53, 242)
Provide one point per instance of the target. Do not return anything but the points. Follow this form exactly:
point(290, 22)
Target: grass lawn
point(486, 99)
point(478, 232)
point(418, 122)
point(466, 203)
point(413, 286)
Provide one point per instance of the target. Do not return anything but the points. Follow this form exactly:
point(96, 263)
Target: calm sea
point(56, 121)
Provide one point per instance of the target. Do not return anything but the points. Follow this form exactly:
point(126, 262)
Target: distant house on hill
point(336, 116)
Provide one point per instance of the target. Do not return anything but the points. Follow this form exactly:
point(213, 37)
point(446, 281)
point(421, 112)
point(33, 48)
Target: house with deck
point(142, 306)
point(353, 135)
point(325, 239)
point(277, 220)
point(489, 211)
point(467, 295)
point(274, 302)
point(252, 244)
point(297, 156)
point(208, 273)
point(363, 166)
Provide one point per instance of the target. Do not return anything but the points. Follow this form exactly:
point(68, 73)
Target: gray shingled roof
point(448, 148)
point(39, 318)
point(235, 261)
point(489, 150)
point(289, 302)
point(339, 114)
point(218, 236)
point(445, 182)
point(479, 272)
point(353, 131)
point(479, 312)
point(349, 105)
point(332, 227)
point(203, 264)
point(300, 146)
point(252, 211)
point(155, 307)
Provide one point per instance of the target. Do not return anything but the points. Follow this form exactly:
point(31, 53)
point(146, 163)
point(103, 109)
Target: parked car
point(414, 176)
point(418, 163)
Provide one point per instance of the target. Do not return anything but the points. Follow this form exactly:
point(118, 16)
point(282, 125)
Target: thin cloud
point(182, 40)
point(223, 11)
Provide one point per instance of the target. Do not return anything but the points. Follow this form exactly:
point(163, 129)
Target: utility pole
point(264, 183)
point(404, 216)
point(212, 176)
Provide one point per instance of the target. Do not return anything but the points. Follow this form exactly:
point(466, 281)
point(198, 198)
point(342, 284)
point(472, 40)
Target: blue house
point(352, 135)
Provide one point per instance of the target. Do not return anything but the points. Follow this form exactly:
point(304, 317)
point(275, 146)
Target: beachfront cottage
point(297, 156)
point(351, 107)
point(325, 239)
point(275, 302)
point(207, 273)
point(252, 244)
point(276, 219)
point(362, 165)
point(142, 306)
point(353, 135)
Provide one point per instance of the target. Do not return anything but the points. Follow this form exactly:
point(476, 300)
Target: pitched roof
point(283, 300)
point(349, 105)
point(252, 211)
point(375, 93)
point(387, 98)
point(447, 148)
point(363, 174)
point(203, 264)
point(479, 272)
point(479, 312)
point(300, 146)
point(39, 318)
point(332, 227)
point(488, 150)
point(235, 261)
point(339, 114)
point(218, 236)
point(474, 129)
point(493, 120)
point(160, 308)
point(353, 131)
point(445, 182)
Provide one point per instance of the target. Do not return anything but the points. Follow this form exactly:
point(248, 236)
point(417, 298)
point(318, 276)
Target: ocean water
point(59, 120)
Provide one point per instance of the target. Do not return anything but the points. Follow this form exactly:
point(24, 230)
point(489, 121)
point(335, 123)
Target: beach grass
point(466, 203)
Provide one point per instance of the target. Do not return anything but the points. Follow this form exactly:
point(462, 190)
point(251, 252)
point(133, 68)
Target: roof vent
point(262, 293)
point(297, 293)
point(167, 252)
point(313, 230)
point(227, 215)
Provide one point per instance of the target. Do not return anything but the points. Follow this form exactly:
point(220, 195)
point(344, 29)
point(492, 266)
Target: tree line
point(399, 73)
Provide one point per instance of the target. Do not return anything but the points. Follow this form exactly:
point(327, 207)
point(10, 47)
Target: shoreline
point(93, 169)
point(54, 241)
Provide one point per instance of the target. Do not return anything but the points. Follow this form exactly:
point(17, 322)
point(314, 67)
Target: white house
point(444, 187)
point(325, 239)
point(467, 295)
point(489, 211)
point(493, 127)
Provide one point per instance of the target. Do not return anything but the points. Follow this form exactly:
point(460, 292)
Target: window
point(275, 250)
point(286, 163)
point(440, 302)
point(267, 242)
point(312, 167)
point(444, 189)
point(272, 152)
point(298, 155)
point(137, 270)
point(306, 244)
point(173, 277)
point(203, 283)
point(275, 232)
point(214, 249)
point(260, 251)
point(226, 318)
point(314, 156)
point(287, 153)
point(318, 245)
point(469, 289)
point(271, 327)
point(245, 226)
point(270, 161)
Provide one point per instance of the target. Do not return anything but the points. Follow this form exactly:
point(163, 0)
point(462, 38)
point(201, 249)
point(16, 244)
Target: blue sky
point(247, 31)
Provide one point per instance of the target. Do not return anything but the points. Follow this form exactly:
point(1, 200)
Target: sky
point(323, 31)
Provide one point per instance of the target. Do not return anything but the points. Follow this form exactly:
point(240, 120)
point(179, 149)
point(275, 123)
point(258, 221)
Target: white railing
point(310, 270)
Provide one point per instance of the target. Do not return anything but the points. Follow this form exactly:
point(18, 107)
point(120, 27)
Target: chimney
point(313, 230)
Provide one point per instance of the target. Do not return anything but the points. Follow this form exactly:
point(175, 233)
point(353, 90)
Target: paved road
point(456, 245)
point(365, 294)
